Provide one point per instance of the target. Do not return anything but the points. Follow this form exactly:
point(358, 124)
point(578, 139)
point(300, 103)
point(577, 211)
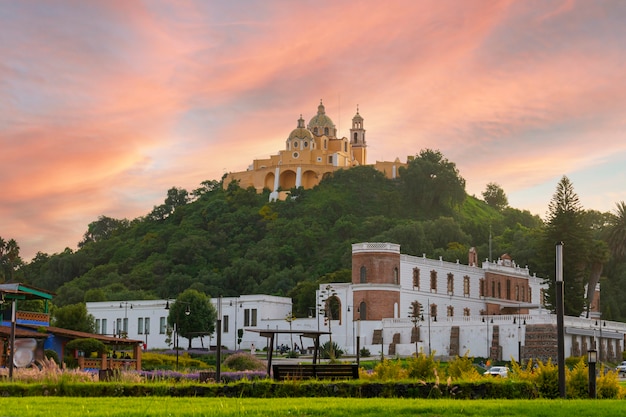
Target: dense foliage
point(230, 241)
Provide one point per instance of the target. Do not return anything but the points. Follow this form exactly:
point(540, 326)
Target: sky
point(105, 105)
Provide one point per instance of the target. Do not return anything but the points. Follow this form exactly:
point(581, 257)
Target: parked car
point(621, 369)
point(501, 371)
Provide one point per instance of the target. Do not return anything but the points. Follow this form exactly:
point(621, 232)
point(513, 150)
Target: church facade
point(311, 151)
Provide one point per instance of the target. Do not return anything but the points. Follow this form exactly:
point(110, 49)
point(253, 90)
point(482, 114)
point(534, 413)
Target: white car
point(621, 369)
point(501, 371)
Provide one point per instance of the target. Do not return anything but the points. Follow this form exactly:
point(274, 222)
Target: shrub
point(463, 368)
point(243, 361)
point(422, 366)
point(608, 385)
point(547, 379)
point(52, 355)
point(577, 380)
point(365, 353)
point(388, 369)
point(331, 351)
point(88, 345)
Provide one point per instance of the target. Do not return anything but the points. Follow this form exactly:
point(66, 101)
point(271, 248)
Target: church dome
point(300, 132)
point(322, 122)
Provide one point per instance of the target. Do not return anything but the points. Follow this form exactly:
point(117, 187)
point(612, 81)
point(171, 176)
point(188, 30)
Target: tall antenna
point(489, 243)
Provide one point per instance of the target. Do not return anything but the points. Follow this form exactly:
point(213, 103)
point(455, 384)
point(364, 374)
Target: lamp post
point(176, 326)
point(124, 332)
point(559, 317)
point(289, 319)
point(519, 333)
point(358, 339)
point(415, 320)
point(592, 358)
point(599, 346)
point(324, 308)
point(488, 320)
point(237, 307)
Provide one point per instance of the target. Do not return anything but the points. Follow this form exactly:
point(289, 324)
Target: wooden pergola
point(271, 335)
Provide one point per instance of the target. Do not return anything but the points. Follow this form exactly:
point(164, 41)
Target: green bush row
point(270, 389)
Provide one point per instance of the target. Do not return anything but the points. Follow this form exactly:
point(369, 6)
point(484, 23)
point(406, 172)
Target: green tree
point(616, 232)
point(566, 223)
point(9, 259)
point(431, 184)
point(495, 197)
point(193, 314)
point(74, 317)
point(103, 228)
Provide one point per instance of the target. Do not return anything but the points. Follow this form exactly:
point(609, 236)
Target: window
point(326, 131)
point(433, 281)
point(253, 319)
point(396, 280)
point(508, 289)
point(355, 137)
point(450, 311)
point(250, 317)
point(104, 326)
point(433, 311)
point(362, 311)
point(482, 287)
point(225, 324)
point(517, 293)
point(146, 325)
point(306, 144)
point(523, 293)
point(161, 325)
point(450, 283)
point(466, 312)
point(499, 290)
point(466, 285)
point(363, 278)
point(416, 278)
point(315, 132)
point(140, 325)
point(118, 324)
point(126, 325)
point(97, 325)
point(493, 288)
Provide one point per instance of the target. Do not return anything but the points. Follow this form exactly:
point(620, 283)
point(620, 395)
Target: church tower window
point(363, 274)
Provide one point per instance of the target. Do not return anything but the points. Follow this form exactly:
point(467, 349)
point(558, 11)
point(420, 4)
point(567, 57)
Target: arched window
point(362, 311)
point(326, 131)
point(355, 137)
point(396, 280)
point(363, 279)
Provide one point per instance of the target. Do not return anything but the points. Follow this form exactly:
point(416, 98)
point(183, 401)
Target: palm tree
point(616, 232)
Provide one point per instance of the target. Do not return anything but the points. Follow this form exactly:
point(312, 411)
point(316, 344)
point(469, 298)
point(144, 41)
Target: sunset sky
point(105, 105)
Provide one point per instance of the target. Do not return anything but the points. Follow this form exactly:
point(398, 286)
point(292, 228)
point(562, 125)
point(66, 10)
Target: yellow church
point(310, 152)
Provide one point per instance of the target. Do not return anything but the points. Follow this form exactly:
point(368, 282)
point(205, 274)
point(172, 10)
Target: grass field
point(301, 407)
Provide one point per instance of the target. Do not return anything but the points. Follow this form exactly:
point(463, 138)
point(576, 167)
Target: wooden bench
point(309, 371)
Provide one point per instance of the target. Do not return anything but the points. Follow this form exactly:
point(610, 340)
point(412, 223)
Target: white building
point(396, 305)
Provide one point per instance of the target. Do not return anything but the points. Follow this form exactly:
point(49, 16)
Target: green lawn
point(301, 407)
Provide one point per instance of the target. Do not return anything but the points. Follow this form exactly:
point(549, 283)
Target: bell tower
point(357, 139)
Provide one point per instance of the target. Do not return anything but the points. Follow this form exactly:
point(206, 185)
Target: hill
point(233, 241)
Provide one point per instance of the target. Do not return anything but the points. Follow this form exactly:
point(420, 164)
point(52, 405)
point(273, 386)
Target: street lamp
point(415, 320)
point(176, 330)
point(488, 345)
point(324, 308)
point(559, 317)
point(592, 358)
point(124, 305)
point(519, 333)
point(237, 307)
